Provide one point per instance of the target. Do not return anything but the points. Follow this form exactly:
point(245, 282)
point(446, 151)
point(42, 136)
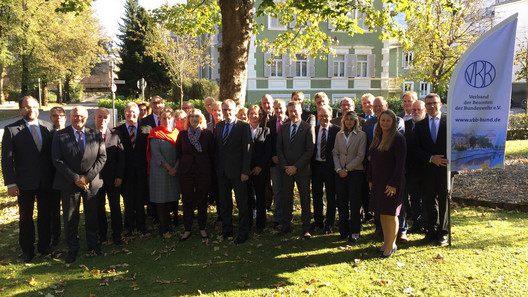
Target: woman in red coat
point(195, 146)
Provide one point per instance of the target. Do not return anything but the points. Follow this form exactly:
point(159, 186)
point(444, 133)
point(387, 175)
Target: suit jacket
point(71, 164)
point(331, 131)
point(261, 154)
point(308, 117)
point(350, 156)
point(266, 117)
point(190, 158)
point(412, 164)
point(135, 157)
point(299, 152)
point(115, 158)
point(22, 163)
point(233, 159)
point(149, 121)
point(423, 147)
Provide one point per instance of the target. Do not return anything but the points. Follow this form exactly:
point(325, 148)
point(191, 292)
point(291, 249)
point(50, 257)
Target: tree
point(521, 61)
point(135, 62)
point(238, 23)
point(180, 55)
point(437, 49)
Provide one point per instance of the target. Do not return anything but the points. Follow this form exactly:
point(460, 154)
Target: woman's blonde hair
point(196, 111)
point(355, 117)
point(385, 143)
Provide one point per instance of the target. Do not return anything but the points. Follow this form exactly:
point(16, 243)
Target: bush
point(518, 127)
point(198, 89)
point(76, 92)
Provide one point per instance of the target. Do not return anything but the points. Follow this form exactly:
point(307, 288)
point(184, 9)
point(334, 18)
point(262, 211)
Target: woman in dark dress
point(195, 146)
point(386, 178)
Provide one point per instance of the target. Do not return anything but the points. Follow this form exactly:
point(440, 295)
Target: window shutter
point(311, 66)
point(267, 68)
point(330, 65)
point(352, 64)
point(371, 60)
point(285, 66)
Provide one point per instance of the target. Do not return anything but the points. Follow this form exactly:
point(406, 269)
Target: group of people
point(375, 163)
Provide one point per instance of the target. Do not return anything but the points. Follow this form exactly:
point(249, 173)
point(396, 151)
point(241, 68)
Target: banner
point(479, 100)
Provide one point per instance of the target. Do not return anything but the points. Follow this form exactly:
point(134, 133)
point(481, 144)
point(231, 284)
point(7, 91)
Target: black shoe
point(389, 255)
point(101, 239)
point(129, 233)
point(47, 251)
point(72, 255)
point(315, 225)
point(240, 239)
point(353, 237)
point(442, 240)
point(227, 235)
point(327, 230)
point(27, 257)
point(428, 238)
point(260, 230)
point(343, 236)
point(307, 236)
point(97, 251)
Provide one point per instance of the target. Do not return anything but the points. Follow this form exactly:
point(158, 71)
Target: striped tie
point(294, 131)
point(132, 136)
point(226, 133)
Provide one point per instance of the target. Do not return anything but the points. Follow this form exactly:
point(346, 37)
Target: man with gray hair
point(408, 99)
point(266, 102)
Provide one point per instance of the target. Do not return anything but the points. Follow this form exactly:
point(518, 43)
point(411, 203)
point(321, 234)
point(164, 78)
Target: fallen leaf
point(400, 264)
point(32, 282)
point(308, 291)
point(95, 272)
point(326, 284)
point(384, 281)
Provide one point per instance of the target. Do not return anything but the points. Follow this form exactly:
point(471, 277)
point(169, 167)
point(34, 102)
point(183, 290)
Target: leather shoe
point(227, 235)
point(240, 239)
point(429, 237)
point(327, 230)
point(97, 251)
point(307, 235)
point(72, 255)
point(442, 240)
point(47, 251)
point(27, 257)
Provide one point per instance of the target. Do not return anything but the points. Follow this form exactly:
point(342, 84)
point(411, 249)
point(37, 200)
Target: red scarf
point(160, 132)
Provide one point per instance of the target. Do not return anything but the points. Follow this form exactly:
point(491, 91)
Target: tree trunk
point(526, 98)
point(59, 92)
point(24, 86)
point(2, 74)
point(237, 17)
point(44, 94)
point(67, 90)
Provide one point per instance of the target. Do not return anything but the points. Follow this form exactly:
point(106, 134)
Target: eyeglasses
point(432, 103)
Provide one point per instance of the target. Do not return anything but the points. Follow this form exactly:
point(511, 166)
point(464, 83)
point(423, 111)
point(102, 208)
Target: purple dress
point(386, 168)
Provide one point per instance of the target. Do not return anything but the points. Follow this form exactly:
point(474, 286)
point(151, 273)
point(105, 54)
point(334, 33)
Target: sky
point(110, 12)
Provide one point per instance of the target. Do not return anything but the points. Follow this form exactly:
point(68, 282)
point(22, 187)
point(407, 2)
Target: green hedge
point(518, 127)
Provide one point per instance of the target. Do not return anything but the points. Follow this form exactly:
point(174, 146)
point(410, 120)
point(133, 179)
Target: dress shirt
point(296, 127)
point(407, 117)
point(368, 116)
point(437, 122)
point(318, 145)
point(36, 124)
point(253, 131)
point(228, 125)
point(77, 135)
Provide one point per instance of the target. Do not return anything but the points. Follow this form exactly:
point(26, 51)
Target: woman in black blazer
point(260, 158)
point(195, 146)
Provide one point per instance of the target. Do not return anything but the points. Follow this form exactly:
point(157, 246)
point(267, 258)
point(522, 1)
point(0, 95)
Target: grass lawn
point(516, 148)
point(6, 114)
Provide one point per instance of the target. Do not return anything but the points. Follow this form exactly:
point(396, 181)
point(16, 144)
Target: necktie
point(103, 136)
point(323, 145)
point(433, 129)
point(36, 137)
point(226, 133)
point(132, 136)
point(80, 142)
point(294, 131)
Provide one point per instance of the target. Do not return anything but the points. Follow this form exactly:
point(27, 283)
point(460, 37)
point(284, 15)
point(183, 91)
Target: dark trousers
point(257, 197)
point(435, 203)
point(225, 185)
point(112, 193)
point(303, 185)
point(349, 200)
point(414, 185)
point(134, 191)
point(55, 217)
point(323, 177)
point(194, 189)
point(71, 202)
point(213, 194)
point(26, 203)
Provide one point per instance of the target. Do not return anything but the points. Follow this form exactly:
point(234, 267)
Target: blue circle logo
point(480, 74)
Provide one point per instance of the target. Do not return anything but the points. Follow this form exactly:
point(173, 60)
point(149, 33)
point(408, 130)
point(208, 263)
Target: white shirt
point(318, 145)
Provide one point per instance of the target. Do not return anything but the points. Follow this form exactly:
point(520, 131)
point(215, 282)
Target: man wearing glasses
point(429, 146)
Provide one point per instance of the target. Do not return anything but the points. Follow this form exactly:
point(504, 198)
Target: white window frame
point(362, 65)
point(301, 61)
point(408, 83)
point(277, 67)
point(407, 58)
point(339, 66)
point(274, 24)
point(425, 89)
point(336, 98)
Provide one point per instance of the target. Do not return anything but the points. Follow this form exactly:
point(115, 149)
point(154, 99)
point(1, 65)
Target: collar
point(128, 126)
point(438, 116)
point(34, 122)
point(297, 123)
point(83, 130)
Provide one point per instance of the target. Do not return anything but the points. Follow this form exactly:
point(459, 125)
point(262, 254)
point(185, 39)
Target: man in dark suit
point(209, 103)
point(279, 118)
point(28, 174)
point(134, 139)
point(346, 104)
point(112, 175)
point(233, 157)
point(307, 116)
point(430, 141)
point(295, 147)
point(78, 153)
point(58, 119)
point(216, 112)
point(156, 104)
point(323, 174)
point(266, 103)
point(367, 100)
point(413, 169)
